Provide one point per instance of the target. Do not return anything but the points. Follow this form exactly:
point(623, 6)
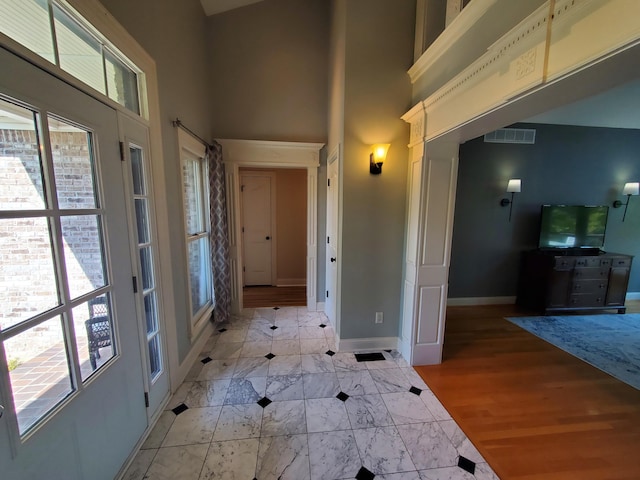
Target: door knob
point(333, 259)
point(268, 238)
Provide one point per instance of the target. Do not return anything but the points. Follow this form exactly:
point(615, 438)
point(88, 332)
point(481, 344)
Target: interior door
point(331, 280)
point(144, 244)
point(257, 227)
point(70, 369)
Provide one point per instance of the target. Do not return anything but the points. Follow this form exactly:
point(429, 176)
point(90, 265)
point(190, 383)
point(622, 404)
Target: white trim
point(196, 348)
point(467, 301)
point(633, 296)
point(265, 154)
point(371, 343)
point(320, 308)
point(452, 34)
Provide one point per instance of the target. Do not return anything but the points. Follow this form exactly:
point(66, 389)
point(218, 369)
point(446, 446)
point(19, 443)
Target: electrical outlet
point(378, 317)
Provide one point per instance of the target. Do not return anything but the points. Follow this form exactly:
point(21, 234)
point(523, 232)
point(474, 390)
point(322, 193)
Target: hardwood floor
point(254, 297)
point(534, 411)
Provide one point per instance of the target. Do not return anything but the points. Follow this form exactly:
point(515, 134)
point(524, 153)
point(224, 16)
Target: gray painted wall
point(567, 165)
point(269, 71)
point(379, 51)
point(174, 34)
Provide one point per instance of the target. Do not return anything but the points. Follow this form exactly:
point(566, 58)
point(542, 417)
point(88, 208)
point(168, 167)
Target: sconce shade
point(631, 188)
point(514, 185)
point(377, 157)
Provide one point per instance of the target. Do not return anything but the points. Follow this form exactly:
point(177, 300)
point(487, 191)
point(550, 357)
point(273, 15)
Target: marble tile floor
point(271, 399)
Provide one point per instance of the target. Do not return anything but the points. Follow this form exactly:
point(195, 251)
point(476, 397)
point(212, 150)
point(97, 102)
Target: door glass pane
point(192, 196)
point(80, 54)
point(154, 355)
point(122, 82)
point(84, 258)
point(200, 273)
point(94, 333)
point(27, 22)
point(137, 170)
point(27, 277)
point(20, 166)
point(151, 312)
point(38, 371)
point(146, 263)
point(72, 165)
point(142, 220)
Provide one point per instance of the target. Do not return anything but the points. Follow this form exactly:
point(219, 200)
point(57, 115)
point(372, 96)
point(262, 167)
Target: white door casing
point(257, 202)
point(265, 154)
point(96, 427)
point(333, 237)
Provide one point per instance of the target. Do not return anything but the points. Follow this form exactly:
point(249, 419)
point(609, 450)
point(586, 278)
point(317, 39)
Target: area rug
point(608, 342)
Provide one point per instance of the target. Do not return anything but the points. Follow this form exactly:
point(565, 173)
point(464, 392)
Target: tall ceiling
point(211, 7)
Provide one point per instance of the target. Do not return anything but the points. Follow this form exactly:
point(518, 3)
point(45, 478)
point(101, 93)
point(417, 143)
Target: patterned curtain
point(219, 234)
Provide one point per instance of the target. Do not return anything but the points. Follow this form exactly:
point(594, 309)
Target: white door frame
point(334, 159)
point(265, 154)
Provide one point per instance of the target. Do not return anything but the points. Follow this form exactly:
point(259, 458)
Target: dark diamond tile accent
point(179, 409)
point(206, 360)
point(467, 465)
point(222, 330)
point(364, 474)
point(342, 396)
point(322, 325)
point(269, 356)
point(273, 327)
point(388, 351)
point(415, 390)
point(276, 308)
point(263, 402)
point(369, 357)
point(331, 353)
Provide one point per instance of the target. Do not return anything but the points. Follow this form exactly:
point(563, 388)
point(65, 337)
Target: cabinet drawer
point(596, 286)
point(620, 262)
point(593, 261)
point(586, 300)
point(591, 273)
point(564, 263)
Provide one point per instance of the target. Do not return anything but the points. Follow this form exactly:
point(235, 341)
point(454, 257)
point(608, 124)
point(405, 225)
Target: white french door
point(144, 244)
point(70, 370)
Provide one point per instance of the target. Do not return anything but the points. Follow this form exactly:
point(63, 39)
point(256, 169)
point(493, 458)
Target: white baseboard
point(372, 343)
point(320, 307)
point(291, 282)
point(469, 301)
point(633, 295)
point(193, 355)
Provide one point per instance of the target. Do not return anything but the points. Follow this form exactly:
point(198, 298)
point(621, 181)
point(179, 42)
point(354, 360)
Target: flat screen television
point(572, 226)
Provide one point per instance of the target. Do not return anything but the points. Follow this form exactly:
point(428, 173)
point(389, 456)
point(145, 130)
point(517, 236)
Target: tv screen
point(570, 226)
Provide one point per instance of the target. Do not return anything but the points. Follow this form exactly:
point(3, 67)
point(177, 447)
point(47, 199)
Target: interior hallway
point(271, 400)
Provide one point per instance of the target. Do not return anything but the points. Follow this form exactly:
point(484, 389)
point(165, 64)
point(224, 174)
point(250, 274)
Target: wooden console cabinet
point(561, 281)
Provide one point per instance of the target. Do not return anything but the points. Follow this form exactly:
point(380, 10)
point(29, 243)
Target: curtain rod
point(177, 123)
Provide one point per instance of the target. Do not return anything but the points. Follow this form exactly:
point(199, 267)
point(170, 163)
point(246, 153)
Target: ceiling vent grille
point(512, 135)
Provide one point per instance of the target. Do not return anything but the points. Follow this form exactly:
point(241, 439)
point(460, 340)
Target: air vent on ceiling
point(512, 135)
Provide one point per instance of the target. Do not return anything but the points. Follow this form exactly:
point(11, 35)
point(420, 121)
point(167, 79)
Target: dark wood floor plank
point(534, 411)
point(254, 297)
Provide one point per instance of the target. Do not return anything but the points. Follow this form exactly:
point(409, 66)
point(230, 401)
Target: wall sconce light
point(630, 188)
point(377, 157)
point(514, 186)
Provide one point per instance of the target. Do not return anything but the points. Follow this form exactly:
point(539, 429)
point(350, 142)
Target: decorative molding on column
point(418, 120)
